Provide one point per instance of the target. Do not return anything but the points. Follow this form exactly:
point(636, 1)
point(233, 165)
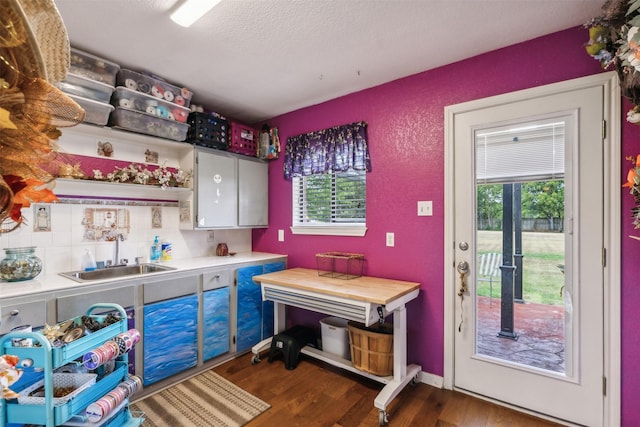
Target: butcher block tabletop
point(368, 289)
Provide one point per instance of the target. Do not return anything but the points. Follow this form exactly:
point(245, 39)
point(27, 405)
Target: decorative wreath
point(34, 51)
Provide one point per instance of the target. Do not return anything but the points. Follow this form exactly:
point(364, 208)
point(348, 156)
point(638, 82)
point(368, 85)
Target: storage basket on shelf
point(372, 348)
point(243, 139)
point(208, 130)
point(340, 265)
point(76, 383)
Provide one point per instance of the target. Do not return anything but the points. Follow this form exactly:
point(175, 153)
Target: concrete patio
point(540, 330)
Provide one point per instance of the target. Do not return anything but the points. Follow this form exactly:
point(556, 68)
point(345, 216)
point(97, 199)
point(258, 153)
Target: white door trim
point(612, 152)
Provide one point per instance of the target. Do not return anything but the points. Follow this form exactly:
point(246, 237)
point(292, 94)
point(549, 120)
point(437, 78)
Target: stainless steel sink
point(115, 272)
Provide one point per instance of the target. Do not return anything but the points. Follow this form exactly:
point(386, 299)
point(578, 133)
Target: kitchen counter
point(53, 282)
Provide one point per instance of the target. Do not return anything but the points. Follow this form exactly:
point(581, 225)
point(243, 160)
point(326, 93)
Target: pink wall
point(406, 136)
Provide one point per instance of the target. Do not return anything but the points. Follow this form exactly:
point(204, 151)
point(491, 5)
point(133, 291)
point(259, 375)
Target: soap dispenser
point(88, 262)
point(156, 250)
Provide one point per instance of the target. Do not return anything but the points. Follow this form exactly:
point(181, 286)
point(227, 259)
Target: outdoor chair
point(489, 270)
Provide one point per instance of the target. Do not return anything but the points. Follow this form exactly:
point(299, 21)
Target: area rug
point(206, 400)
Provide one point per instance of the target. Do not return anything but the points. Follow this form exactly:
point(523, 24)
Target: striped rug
point(206, 400)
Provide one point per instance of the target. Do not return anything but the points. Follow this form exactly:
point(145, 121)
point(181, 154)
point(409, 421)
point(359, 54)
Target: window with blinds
point(330, 200)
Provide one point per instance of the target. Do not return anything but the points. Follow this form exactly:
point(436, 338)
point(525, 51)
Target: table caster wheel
point(383, 419)
point(255, 359)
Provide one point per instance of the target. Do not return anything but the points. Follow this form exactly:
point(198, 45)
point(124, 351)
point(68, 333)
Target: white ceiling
point(256, 59)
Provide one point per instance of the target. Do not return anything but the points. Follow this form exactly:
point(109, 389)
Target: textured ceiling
point(256, 59)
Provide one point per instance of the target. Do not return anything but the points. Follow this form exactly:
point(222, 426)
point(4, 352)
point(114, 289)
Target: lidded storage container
point(86, 88)
point(148, 124)
point(97, 113)
point(90, 82)
point(138, 101)
point(155, 87)
point(93, 67)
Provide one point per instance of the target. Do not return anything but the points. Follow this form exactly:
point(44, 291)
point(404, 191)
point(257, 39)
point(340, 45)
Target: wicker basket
point(340, 265)
point(372, 348)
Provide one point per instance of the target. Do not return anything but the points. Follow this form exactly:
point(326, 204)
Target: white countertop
point(54, 282)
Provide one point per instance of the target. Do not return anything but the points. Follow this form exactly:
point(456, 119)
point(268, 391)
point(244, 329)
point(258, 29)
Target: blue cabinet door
point(249, 323)
point(255, 318)
point(216, 323)
point(170, 337)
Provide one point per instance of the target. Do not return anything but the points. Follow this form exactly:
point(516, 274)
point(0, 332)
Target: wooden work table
point(363, 299)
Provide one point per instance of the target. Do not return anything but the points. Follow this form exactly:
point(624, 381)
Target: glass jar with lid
point(20, 264)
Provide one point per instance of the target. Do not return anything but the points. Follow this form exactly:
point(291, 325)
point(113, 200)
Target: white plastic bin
point(335, 336)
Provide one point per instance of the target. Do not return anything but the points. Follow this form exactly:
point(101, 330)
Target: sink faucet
point(116, 259)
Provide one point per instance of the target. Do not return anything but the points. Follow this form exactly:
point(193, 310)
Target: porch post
point(507, 268)
point(517, 257)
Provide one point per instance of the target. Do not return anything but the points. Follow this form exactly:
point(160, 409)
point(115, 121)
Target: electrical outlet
point(391, 239)
point(425, 208)
point(280, 235)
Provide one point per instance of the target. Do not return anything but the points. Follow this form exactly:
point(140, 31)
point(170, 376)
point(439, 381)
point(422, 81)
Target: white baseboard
point(431, 379)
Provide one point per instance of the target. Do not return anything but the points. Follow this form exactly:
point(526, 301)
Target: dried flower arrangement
point(614, 41)
point(139, 174)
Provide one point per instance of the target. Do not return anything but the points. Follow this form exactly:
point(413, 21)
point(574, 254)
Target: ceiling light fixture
point(192, 10)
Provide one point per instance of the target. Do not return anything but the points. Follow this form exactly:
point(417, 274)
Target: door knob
point(463, 267)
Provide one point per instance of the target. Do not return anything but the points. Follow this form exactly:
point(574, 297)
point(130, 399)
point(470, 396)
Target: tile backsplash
point(62, 248)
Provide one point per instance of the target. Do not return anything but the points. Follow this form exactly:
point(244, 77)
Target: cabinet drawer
point(76, 305)
point(167, 289)
point(216, 279)
point(32, 313)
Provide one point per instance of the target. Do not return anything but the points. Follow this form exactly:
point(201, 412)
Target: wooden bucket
point(372, 348)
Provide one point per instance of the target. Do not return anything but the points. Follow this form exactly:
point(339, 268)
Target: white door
point(555, 139)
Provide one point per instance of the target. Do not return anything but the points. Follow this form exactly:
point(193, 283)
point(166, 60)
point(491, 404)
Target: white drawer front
point(29, 313)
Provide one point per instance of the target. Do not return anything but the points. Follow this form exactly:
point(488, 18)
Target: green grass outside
point(542, 279)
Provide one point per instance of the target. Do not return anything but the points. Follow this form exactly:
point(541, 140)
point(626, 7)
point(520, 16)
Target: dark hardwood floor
point(317, 394)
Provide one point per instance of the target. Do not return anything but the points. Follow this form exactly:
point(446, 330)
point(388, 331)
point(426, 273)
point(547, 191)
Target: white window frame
point(329, 229)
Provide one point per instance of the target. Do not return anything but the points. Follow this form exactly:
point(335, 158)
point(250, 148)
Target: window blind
point(525, 153)
point(330, 199)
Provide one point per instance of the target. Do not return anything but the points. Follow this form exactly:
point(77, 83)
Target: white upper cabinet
point(229, 192)
point(253, 193)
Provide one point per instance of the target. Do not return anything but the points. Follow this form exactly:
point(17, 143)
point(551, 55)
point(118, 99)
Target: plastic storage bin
point(335, 336)
point(93, 67)
point(154, 87)
point(133, 100)
point(97, 113)
point(136, 121)
point(208, 130)
point(86, 88)
point(243, 139)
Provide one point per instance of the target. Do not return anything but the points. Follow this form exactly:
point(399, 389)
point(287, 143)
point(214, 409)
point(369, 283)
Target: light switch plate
point(280, 235)
point(391, 239)
point(425, 208)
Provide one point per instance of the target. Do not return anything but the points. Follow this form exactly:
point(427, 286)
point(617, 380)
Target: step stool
point(290, 342)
